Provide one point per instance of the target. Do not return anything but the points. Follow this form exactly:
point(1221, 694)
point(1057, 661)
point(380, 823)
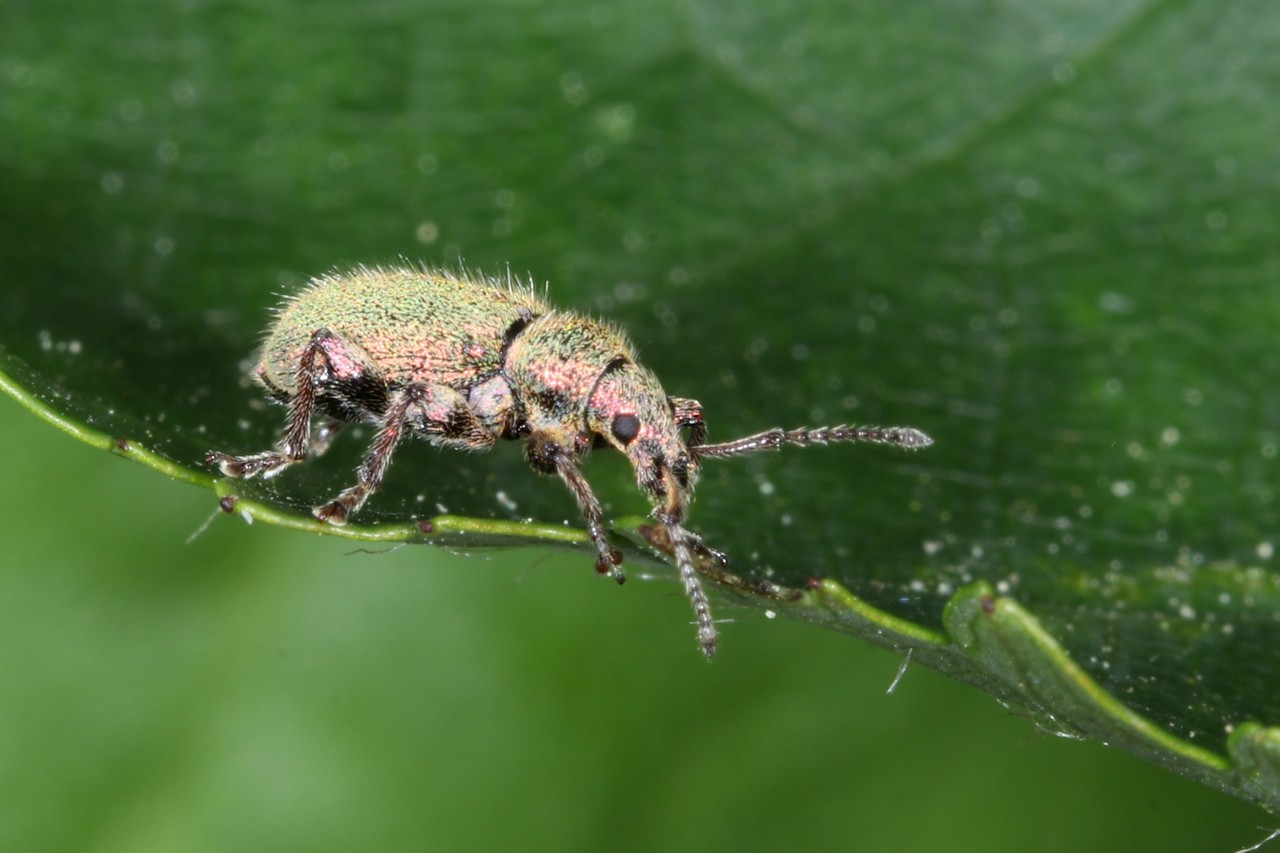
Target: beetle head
point(629, 411)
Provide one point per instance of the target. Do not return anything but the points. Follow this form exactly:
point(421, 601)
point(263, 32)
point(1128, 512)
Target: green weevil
point(463, 362)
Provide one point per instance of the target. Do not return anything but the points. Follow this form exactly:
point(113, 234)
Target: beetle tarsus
point(607, 562)
point(334, 512)
point(264, 465)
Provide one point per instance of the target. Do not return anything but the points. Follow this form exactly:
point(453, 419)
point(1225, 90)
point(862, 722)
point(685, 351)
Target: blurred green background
point(1032, 228)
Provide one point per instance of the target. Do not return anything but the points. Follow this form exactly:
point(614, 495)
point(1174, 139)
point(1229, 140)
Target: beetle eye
point(626, 428)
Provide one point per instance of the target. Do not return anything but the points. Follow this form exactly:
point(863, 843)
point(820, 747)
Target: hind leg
point(326, 360)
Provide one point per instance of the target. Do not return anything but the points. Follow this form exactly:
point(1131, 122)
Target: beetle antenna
point(772, 439)
point(681, 542)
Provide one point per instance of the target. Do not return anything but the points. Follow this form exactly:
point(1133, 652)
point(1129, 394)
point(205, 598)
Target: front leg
point(608, 558)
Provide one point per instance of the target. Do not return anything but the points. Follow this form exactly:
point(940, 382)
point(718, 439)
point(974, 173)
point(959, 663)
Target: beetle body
point(463, 363)
point(394, 328)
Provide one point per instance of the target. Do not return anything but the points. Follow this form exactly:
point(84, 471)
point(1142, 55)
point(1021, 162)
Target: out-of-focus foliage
point(1042, 234)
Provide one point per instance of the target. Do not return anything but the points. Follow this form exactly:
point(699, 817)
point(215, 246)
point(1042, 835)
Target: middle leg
point(436, 411)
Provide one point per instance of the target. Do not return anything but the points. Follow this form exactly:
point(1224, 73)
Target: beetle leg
point(315, 367)
point(608, 558)
point(688, 413)
point(435, 411)
point(684, 543)
point(911, 439)
point(376, 458)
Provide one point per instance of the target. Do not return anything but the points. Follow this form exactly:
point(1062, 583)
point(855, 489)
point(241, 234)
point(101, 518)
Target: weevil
point(463, 362)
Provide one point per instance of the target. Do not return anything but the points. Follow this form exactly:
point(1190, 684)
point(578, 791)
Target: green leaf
point(1045, 237)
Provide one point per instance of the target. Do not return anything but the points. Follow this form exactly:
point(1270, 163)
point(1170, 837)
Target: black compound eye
point(626, 428)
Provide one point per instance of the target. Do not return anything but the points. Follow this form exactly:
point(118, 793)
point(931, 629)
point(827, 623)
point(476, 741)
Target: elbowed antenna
point(772, 439)
point(681, 542)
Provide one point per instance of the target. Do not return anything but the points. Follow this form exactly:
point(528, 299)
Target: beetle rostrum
point(463, 362)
